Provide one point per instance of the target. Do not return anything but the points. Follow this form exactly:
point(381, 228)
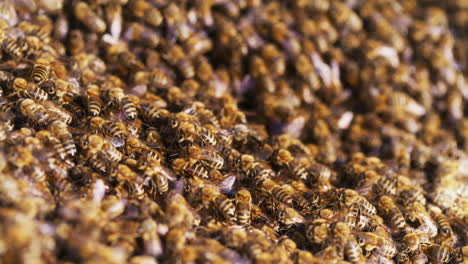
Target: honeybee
point(89, 18)
point(10, 46)
point(288, 216)
point(41, 70)
point(196, 45)
point(285, 158)
point(158, 176)
point(268, 186)
point(410, 243)
point(34, 111)
point(190, 168)
point(94, 103)
point(252, 168)
point(390, 209)
point(317, 231)
point(442, 253)
point(60, 129)
point(416, 212)
point(442, 220)
point(207, 156)
point(149, 14)
point(47, 138)
point(382, 246)
point(224, 205)
point(352, 197)
point(243, 206)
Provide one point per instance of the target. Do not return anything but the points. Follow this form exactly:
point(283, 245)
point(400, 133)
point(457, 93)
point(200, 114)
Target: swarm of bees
point(242, 131)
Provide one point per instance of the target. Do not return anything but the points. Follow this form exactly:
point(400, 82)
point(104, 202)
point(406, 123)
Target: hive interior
point(238, 131)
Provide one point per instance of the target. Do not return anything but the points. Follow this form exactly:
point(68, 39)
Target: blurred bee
point(190, 168)
point(94, 103)
point(47, 138)
point(317, 231)
point(40, 71)
point(33, 111)
point(207, 156)
point(151, 241)
point(144, 35)
point(158, 79)
point(76, 42)
point(148, 13)
point(61, 130)
point(390, 209)
point(84, 13)
point(461, 254)
point(285, 158)
point(196, 45)
point(224, 205)
point(243, 206)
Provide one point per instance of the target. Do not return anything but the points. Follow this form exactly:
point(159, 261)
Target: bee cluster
point(246, 131)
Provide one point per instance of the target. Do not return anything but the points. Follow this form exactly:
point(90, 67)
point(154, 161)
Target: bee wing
point(170, 175)
point(226, 185)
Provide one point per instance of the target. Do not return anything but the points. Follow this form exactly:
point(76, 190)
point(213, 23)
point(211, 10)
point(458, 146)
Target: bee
point(158, 176)
point(207, 156)
point(268, 186)
point(41, 71)
point(144, 35)
point(34, 111)
point(288, 216)
point(76, 42)
point(129, 108)
point(353, 251)
point(300, 201)
point(94, 103)
point(382, 246)
point(461, 254)
point(390, 209)
point(158, 79)
point(224, 205)
point(60, 129)
point(151, 241)
point(243, 206)
point(352, 197)
point(190, 168)
point(250, 167)
point(285, 158)
point(149, 14)
point(196, 45)
point(11, 47)
point(317, 231)
point(442, 220)
point(113, 129)
point(387, 186)
point(442, 253)
point(410, 243)
point(47, 137)
point(84, 13)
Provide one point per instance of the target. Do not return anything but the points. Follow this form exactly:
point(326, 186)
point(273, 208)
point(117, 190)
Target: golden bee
point(243, 206)
point(41, 71)
point(224, 205)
